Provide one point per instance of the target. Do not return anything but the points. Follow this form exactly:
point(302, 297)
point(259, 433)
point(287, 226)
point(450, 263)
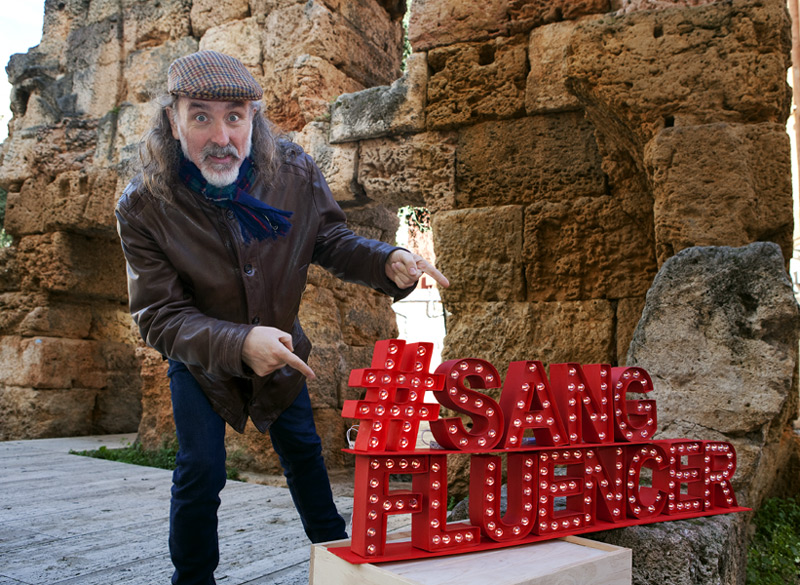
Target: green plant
point(774, 554)
point(419, 217)
point(135, 454)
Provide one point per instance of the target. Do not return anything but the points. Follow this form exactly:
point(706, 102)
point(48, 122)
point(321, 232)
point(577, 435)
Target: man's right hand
point(267, 349)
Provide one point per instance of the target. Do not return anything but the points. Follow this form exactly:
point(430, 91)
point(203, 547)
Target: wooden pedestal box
point(565, 561)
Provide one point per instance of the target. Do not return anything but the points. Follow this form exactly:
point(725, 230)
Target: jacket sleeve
point(165, 314)
point(346, 255)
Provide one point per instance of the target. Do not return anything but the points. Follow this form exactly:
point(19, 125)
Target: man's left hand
point(405, 268)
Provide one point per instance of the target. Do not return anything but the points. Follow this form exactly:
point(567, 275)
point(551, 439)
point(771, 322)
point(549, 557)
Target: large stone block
point(27, 413)
point(385, 110)
point(46, 151)
point(321, 322)
point(20, 313)
point(82, 202)
point(379, 21)
point(25, 209)
point(719, 337)
point(55, 319)
point(700, 551)
point(112, 321)
point(373, 220)
point(301, 91)
point(69, 263)
point(336, 161)
point(332, 373)
point(119, 134)
point(146, 68)
point(18, 156)
point(92, 59)
point(148, 24)
point(312, 29)
point(481, 251)
point(366, 316)
point(557, 332)
point(587, 247)
point(474, 82)
point(438, 23)
point(721, 184)
point(526, 160)
point(546, 89)
point(16, 307)
point(723, 62)
point(50, 362)
point(416, 170)
point(59, 19)
point(239, 38)
point(210, 13)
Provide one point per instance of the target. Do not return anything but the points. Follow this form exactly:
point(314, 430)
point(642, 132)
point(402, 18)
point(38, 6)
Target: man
point(218, 231)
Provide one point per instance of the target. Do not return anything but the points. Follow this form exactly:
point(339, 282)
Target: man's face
point(215, 136)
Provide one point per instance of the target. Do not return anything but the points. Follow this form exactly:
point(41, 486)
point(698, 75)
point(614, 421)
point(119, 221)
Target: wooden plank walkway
point(71, 520)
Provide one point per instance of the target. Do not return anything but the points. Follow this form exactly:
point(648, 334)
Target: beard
point(219, 175)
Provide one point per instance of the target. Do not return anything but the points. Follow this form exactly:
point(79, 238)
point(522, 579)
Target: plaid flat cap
point(209, 75)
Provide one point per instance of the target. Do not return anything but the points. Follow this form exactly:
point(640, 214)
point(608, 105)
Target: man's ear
point(171, 113)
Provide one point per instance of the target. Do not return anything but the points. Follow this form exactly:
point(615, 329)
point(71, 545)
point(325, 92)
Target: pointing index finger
point(431, 270)
point(295, 362)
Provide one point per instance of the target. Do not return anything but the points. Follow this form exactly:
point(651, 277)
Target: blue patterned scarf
point(256, 219)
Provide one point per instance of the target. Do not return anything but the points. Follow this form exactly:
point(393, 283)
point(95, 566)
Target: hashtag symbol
point(393, 406)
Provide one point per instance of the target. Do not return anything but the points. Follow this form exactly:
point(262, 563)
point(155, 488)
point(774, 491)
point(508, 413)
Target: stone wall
point(70, 361)
point(565, 149)
point(568, 149)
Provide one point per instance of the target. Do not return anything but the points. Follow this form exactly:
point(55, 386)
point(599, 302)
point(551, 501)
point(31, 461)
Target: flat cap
point(209, 75)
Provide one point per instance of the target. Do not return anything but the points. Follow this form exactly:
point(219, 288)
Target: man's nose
point(219, 134)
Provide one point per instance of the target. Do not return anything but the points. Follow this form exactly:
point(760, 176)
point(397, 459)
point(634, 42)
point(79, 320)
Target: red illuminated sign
point(588, 463)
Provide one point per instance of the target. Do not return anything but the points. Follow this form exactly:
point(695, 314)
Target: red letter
point(372, 501)
point(552, 486)
point(583, 395)
point(685, 469)
point(429, 530)
point(526, 403)
point(393, 407)
point(486, 415)
point(605, 470)
point(646, 501)
point(719, 466)
point(634, 420)
point(484, 495)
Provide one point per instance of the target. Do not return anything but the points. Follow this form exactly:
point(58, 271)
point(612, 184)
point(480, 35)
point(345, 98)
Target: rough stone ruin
point(568, 151)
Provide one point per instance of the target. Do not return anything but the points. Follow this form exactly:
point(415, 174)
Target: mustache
point(220, 151)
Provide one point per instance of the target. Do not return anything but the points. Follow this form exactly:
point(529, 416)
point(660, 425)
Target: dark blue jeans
point(200, 476)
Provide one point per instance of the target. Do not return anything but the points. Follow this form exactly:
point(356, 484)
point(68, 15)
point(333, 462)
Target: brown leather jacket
point(196, 289)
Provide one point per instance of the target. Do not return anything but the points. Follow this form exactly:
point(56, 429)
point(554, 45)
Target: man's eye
point(234, 118)
point(200, 118)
